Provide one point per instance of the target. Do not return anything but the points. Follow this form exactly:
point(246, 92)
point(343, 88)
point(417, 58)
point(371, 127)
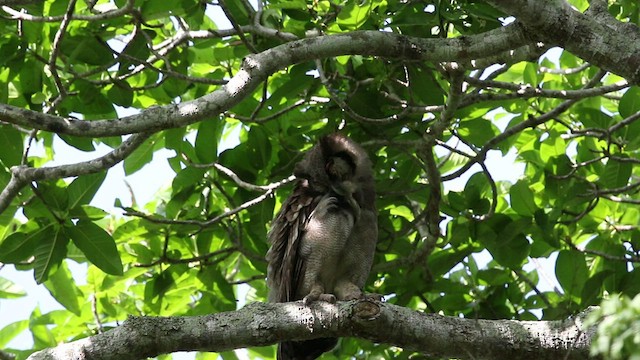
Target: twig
point(235, 25)
point(55, 49)
point(168, 260)
point(203, 224)
point(248, 280)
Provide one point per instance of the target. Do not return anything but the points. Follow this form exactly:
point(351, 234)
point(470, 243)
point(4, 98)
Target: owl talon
point(330, 298)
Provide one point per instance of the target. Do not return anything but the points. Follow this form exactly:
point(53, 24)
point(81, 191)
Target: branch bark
point(261, 324)
point(594, 36)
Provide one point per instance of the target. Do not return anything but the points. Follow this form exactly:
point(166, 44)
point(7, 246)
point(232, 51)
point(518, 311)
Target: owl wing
point(286, 266)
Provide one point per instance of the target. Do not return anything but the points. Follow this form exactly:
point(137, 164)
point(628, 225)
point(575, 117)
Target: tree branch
point(22, 175)
point(260, 324)
point(596, 37)
point(256, 68)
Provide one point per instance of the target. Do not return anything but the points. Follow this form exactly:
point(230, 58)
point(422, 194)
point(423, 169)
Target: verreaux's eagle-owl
point(324, 237)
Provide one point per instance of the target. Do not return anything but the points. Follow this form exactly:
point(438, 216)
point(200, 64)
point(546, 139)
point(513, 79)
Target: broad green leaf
point(83, 188)
point(54, 195)
point(86, 49)
point(571, 271)
point(10, 331)
point(87, 212)
point(530, 75)
point(49, 251)
point(354, 14)
point(209, 133)
point(521, 198)
point(505, 239)
point(290, 4)
point(187, 178)
point(478, 131)
point(514, 247)
point(440, 262)
point(593, 289)
point(10, 290)
point(11, 141)
point(121, 95)
point(42, 335)
point(592, 118)
point(155, 289)
point(97, 245)
point(630, 102)
point(16, 247)
point(31, 77)
point(140, 157)
point(616, 174)
point(494, 276)
point(136, 48)
point(63, 288)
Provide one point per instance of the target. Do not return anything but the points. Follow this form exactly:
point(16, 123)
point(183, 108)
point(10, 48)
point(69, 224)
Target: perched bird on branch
point(324, 237)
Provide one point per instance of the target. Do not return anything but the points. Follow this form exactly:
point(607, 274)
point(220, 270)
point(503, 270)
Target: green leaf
point(97, 245)
point(441, 262)
point(630, 102)
point(156, 9)
point(593, 288)
point(49, 251)
point(616, 174)
point(354, 14)
point(505, 239)
point(595, 118)
point(87, 212)
point(186, 179)
point(12, 330)
point(478, 131)
point(83, 188)
point(54, 195)
point(513, 246)
point(121, 94)
point(137, 48)
point(530, 74)
point(42, 335)
point(139, 157)
point(91, 102)
point(289, 4)
point(571, 271)
point(63, 288)
point(16, 248)
point(521, 198)
point(10, 290)
point(11, 141)
point(86, 49)
point(209, 133)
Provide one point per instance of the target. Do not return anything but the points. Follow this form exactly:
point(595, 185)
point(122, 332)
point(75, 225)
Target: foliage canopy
point(429, 127)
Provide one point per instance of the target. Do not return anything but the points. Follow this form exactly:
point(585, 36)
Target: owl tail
point(305, 350)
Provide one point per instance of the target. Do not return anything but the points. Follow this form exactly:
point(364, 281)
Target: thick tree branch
point(256, 68)
point(595, 37)
point(260, 324)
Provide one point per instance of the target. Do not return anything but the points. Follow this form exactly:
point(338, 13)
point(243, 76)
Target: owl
point(324, 237)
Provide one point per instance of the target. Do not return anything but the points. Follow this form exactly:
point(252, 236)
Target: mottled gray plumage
point(324, 237)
